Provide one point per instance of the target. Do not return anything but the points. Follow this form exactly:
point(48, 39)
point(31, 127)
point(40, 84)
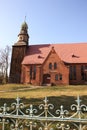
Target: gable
point(53, 58)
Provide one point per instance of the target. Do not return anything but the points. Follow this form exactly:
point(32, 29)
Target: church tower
point(18, 52)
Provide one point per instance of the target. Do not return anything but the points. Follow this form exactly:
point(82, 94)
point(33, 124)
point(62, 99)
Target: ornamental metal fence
point(19, 117)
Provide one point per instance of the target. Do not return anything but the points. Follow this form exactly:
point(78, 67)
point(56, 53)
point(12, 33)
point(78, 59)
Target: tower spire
point(23, 35)
point(25, 18)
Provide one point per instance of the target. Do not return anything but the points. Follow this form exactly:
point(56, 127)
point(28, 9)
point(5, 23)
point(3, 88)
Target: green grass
point(28, 91)
point(35, 94)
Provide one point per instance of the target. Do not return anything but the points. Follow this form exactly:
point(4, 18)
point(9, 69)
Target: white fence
point(18, 117)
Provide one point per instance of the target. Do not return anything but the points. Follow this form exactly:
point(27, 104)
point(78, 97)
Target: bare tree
point(4, 62)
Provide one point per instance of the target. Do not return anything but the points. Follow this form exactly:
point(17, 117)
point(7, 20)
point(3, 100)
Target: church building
point(53, 64)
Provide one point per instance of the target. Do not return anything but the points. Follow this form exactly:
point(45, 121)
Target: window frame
point(55, 65)
point(56, 77)
point(50, 66)
point(72, 72)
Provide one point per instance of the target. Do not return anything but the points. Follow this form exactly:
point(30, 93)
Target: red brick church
point(53, 64)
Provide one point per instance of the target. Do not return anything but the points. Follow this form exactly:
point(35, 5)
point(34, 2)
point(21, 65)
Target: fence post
point(3, 124)
point(31, 125)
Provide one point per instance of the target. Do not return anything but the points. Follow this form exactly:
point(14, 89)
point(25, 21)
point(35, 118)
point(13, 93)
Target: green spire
point(24, 26)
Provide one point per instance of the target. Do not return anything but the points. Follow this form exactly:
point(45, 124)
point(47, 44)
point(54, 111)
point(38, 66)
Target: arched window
point(56, 77)
point(72, 70)
point(60, 76)
point(30, 72)
point(50, 66)
point(34, 72)
point(55, 65)
point(82, 72)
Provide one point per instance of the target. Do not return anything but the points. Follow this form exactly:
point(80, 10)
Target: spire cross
point(25, 18)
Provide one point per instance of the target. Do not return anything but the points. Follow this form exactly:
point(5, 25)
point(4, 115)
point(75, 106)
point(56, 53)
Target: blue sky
point(49, 21)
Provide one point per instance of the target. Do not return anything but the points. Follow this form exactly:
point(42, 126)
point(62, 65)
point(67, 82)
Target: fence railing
point(18, 117)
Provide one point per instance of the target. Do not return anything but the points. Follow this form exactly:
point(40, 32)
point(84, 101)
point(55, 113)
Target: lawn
point(28, 91)
point(35, 94)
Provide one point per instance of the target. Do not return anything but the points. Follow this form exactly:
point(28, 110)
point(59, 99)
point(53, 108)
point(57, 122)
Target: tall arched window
point(55, 65)
point(60, 76)
point(56, 77)
point(34, 72)
point(73, 72)
point(50, 66)
point(30, 72)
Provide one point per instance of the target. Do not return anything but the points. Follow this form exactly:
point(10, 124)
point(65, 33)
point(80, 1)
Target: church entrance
point(46, 79)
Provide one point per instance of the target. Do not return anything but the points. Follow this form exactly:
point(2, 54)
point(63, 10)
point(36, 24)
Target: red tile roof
point(69, 53)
